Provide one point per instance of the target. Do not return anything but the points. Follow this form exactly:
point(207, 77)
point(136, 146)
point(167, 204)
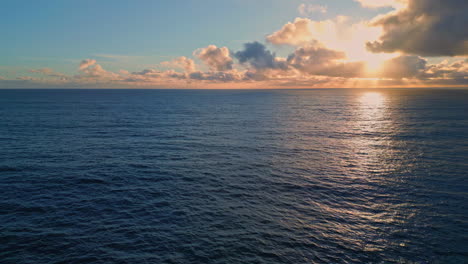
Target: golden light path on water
point(371, 124)
point(372, 100)
point(347, 192)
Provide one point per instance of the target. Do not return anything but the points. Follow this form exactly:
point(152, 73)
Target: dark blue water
point(277, 176)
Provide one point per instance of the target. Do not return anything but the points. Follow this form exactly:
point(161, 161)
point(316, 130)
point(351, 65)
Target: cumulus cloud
point(259, 57)
point(417, 68)
point(188, 65)
point(403, 67)
point(332, 52)
point(457, 70)
point(217, 59)
point(339, 33)
point(96, 71)
point(426, 28)
point(86, 63)
point(295, 33)
point(317, 60)
point(90, 70)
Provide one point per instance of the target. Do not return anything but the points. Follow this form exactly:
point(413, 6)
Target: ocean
point(234, 176)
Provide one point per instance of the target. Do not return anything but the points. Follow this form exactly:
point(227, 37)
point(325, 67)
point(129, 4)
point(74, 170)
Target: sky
point(233, 43)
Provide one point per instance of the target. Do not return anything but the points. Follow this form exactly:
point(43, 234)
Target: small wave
point(91, 181)
point(9, 169)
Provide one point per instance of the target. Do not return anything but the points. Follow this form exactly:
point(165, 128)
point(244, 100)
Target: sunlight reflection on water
point(372, 99)
point(295, 176)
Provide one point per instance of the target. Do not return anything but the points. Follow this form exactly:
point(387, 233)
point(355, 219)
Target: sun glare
point(372, 99)
point(375, 62)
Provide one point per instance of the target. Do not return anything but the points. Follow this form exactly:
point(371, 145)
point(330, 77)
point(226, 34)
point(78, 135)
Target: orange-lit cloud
point(389, 50)
point(188, 65)
point(217, 59)
point(382, 3)
point(296, 33)
point(86, 63)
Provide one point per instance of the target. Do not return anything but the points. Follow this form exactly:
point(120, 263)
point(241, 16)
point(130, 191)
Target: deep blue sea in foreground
point(234, 176)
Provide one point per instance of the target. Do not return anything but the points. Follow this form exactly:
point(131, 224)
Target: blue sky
point(57, 32)
point(124, 40)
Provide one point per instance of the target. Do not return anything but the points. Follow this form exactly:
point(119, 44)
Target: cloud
point(153, 75)
point(417, 68)
point(403, 67)
point(90, 70)
point(380, 3)
point(311, 59)
point(457, 70)
point(332, 52)
point(259, 57)
point(96, 71)
point(217, 76)
point(425, 28)
point(217, 59)
point(340, 33)
point(25, 78)
point(124, 72)
point(45, 71)
point(188, 65)
point(48, 72)
point(296, 33)
point(307, 9)
point(86, 63)
point(317, 60)
point(149, 72)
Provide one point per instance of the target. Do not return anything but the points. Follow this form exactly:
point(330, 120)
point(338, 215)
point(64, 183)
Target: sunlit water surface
point(278, 176)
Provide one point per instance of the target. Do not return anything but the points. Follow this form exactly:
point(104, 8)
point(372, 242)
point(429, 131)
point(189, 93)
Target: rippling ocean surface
point(234, 176)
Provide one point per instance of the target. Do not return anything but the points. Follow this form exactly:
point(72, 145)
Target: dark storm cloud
point(426, 28)
point(259, 57)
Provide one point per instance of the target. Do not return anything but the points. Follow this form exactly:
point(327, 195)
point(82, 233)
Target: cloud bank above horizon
point(411, 43)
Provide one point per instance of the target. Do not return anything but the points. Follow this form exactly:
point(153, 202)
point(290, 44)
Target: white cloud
point(307, 9)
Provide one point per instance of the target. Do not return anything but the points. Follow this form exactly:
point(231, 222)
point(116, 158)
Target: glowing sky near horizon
point(233, 44)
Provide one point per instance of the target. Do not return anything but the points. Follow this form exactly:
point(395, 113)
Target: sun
point(375, 62)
